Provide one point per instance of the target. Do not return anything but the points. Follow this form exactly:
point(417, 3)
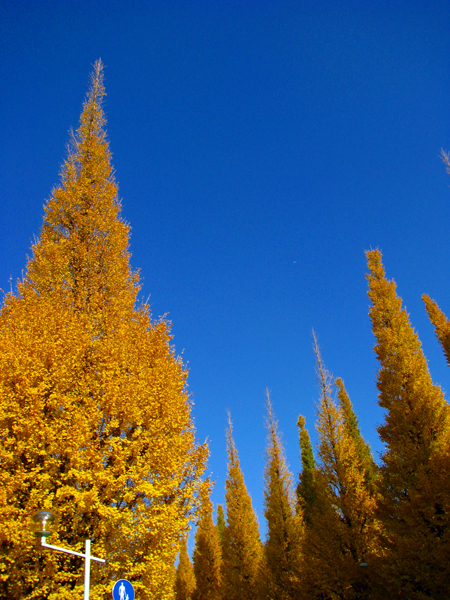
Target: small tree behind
point(342, 531)
point(207, 553)
point(282, 549)
point(242, 549)
point(184, 578)
point(306, 489)
point(351, 423)
point(220, 522)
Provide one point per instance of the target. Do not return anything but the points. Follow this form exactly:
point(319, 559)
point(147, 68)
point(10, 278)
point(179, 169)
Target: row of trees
point(96, 425)
point(353, 529)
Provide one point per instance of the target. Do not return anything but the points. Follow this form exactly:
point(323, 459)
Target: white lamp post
point(45, 516)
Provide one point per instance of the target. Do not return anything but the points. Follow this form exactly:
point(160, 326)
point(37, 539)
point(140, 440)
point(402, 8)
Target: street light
point(44, 517)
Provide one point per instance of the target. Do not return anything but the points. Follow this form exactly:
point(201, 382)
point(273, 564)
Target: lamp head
point(42, 518)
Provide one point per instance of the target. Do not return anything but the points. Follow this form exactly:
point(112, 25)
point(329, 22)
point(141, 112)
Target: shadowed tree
point(220, 522)
point(242, 549)
point(351, 422)
point(184, 578)
point(282, 549)
point(207, 553)
point(306, 491)
point(342, 532)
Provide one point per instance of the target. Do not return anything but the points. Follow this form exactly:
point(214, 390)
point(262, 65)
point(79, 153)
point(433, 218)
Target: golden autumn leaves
point(356, 530)
point(95, 417)
point(96, 424)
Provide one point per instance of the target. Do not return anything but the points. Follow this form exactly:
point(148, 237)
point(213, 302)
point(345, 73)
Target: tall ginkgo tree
point(414, 504)
point(95, 418)
point(281, 578)
point(341, 532)
point(242, 550)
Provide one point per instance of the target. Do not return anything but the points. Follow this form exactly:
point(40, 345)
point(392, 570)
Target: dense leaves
point(414, 483)
point(208, 565)
point(95, 424)
point(95, 418)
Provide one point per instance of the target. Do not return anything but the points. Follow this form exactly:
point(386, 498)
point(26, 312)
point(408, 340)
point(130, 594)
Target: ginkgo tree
point(95, 419)
point(414, 477)
point(341, 530)
point(280, 577)
point(242, 549)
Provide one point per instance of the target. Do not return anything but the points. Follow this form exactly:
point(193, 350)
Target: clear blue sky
point(260, 148)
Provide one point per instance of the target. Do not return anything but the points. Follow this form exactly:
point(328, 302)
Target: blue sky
point(260, 148)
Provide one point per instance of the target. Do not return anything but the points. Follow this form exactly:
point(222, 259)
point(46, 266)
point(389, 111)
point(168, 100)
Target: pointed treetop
point(220, 520)
point(404, 382)
point(233, 457)
point(82, 253)
point(207, 553)
point(241, 546)
point(185, 578)
point(306, 493)
point(276, 459)
point(441, 324)
point(351, 423)
point(329, 417)
point(280, 577)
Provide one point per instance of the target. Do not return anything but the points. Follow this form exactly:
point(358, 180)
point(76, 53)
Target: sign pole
point(87, 568)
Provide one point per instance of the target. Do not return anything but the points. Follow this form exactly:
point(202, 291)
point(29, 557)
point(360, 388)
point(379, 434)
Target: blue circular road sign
point(123, 590)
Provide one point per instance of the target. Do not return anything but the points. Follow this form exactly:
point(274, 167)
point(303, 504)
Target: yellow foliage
point(95, 418)
point(415, 474)
point(441, 324)
point(185, 578)
point(342, 531)
point(280, 576)
point(207, 553)
point(242, 549)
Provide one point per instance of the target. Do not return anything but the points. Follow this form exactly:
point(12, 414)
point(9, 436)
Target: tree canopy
point(95, 416)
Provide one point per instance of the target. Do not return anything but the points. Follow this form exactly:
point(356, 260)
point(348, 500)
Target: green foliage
point(306, 491)
point(351, 422)
point(221, 522)
point(342, 531)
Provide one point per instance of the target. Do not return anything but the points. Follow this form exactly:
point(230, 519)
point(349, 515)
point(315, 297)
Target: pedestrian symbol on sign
point(123, 590)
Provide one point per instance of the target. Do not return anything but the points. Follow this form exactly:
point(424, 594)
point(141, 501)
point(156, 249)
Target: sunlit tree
point(95, 418)
point(415, 474)
point(441, 324)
